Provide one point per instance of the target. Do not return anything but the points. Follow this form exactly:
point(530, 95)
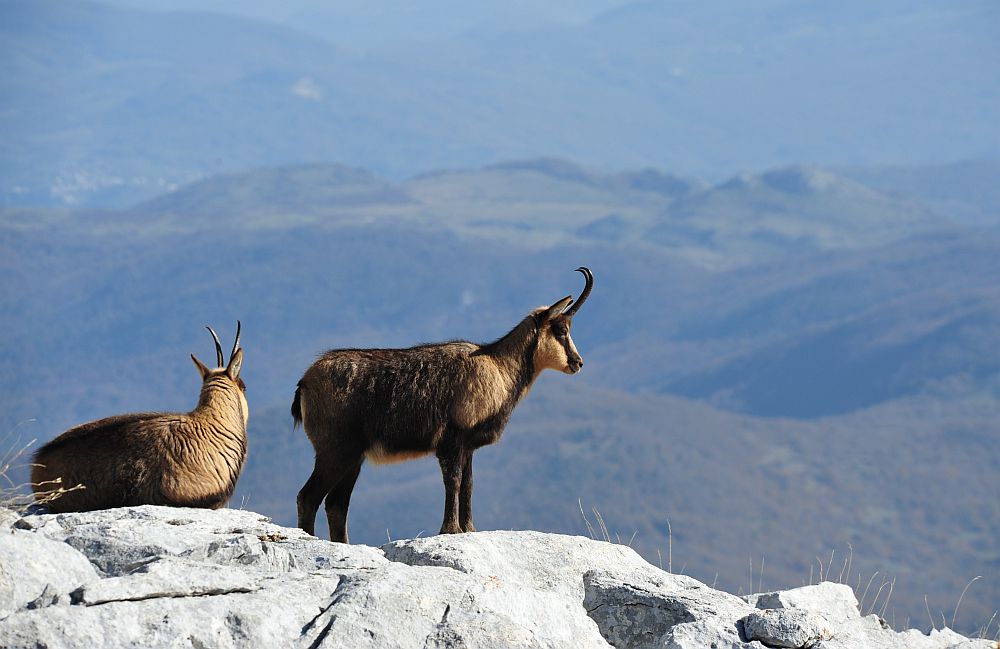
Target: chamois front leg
point(451, 461)
point(465, 496)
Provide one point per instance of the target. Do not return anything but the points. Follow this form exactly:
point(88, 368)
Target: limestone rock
point(870, 631)
point(826, 616)
point(430, 606)
point(546, 562)
point(167, 577)
point(651, 608)
point(36, 572)
point(116, 540)
point(980, 643)
point(786, 628)
point(174, 577)
point(7, 519)
point(834, 602)
point(272, 616)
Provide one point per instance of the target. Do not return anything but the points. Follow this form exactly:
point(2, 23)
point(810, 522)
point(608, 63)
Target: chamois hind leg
point(465, 496)
point(451, 458)
point(311, 495)
point(338, 501)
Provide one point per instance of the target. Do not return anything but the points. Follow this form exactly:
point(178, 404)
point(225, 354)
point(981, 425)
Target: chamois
point(391, 405)
point(179, 459)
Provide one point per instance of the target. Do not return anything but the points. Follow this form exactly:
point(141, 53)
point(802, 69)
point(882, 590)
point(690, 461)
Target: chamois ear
point(204, 371)
point(235, 364)
point(557, 308)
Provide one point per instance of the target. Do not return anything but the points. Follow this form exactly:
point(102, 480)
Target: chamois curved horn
point(236, 344)
point(218, 348)
point(573, 308)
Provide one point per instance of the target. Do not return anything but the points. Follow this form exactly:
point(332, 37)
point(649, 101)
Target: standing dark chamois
point(154, 458)
point(391, 405)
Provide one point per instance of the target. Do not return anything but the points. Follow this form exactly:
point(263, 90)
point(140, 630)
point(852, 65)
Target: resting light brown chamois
point(179, 459)
point(390, 405)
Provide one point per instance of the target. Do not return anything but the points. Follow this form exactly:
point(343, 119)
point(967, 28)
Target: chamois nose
point(575, 365)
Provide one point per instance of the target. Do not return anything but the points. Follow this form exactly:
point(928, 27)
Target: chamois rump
point(179, 459)
point(391, 405)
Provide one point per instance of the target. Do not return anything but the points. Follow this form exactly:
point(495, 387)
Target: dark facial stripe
point(566, 347)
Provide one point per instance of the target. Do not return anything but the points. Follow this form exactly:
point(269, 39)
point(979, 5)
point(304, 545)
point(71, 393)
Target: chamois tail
point(297, 406)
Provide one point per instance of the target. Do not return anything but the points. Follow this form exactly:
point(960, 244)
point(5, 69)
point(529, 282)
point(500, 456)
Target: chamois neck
point(218, 396)
point(515, 351)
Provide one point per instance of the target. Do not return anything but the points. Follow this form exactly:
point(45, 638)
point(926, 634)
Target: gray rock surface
point(7, 518)
point(546, 562)
point(872, 632)
point(827, 616)
point(115, 540)
point(165, 577)
point(786, 628)
point(651, 608)
point(836, 603)
point(37, 572)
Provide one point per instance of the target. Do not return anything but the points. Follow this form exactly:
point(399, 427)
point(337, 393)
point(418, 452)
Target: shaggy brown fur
point(181, 459)
point(391, 405)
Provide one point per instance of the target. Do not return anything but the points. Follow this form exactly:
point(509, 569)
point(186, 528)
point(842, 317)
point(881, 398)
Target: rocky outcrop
point(156, 576)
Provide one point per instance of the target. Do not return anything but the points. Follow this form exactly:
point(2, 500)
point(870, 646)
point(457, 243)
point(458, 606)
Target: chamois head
point(227, 375)
point(556, 349)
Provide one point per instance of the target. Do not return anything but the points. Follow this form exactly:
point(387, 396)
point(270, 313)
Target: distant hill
point(802, 209)
point(792, 210)
point(302, 189)
point(104, 106)
point(853, 335)
point(967, 190)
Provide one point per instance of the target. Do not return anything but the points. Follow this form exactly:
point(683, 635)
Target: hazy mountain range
point(105, 105)
point(780, 364)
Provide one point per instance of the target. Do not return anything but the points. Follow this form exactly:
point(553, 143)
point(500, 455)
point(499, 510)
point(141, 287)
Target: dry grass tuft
point(19, 497)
